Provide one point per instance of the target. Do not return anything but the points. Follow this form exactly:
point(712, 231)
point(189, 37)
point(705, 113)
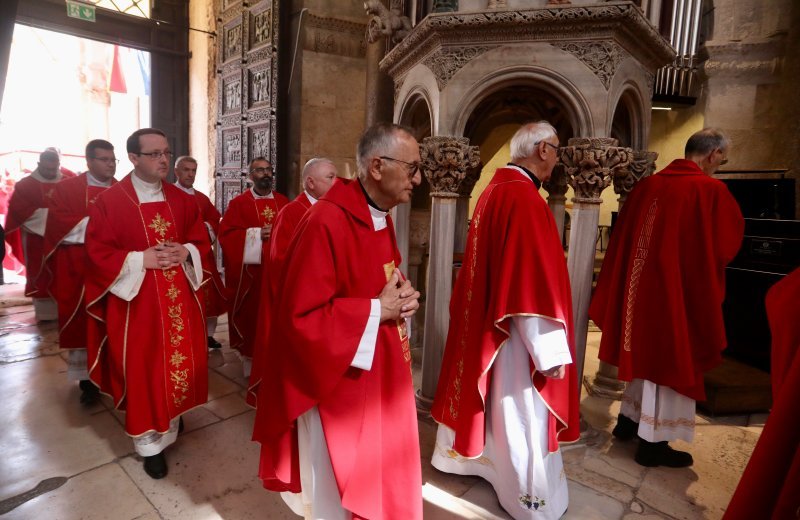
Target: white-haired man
point(510, 342)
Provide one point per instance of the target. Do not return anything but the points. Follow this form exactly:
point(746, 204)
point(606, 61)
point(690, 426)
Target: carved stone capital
point(642, 164)
point(385, 22)
point(446, 163)
point(591, 164)
point(557, 185)
point(473, 174)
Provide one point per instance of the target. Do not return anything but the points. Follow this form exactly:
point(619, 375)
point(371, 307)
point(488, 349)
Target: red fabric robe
point(659, 296)
point(283, 229)
point(243, 281)
point(29, 195)
point(213, 288)
point(68, 263)
point(514, 266)
point(334, 267)
point(149, 354)
point(770, 485)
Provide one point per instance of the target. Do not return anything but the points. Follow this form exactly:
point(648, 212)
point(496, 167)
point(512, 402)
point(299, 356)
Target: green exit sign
point(80, 11)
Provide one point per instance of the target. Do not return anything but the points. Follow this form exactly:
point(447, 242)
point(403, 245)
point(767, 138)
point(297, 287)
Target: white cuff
point(252, 246)
point(194, 270)
point(130, 278)
point(78, 234)
point(36, 222)
point(546, 341)
point(366, 347)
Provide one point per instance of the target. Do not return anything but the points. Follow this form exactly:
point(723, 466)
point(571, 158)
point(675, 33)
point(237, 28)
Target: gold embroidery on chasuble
point(268, 215)
point(638, 265)
point(160, 226)
point(178, 377)
point(402, 327)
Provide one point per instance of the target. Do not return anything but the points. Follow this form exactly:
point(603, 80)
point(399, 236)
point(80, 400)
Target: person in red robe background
point(146, 332)
point(659, 296)
point(340, 433)
point(25, 227)
point(508, 391)
point(770, 485)
point(214, 298)
point(65, 256)
point(244, 235)
point(318, 176)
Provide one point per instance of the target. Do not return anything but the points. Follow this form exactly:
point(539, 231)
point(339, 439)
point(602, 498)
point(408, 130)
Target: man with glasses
point(659, 296)
point(213, 288)
point(508, 391)
point(147, 335)
point(319, 175)
point(25, 227)
point(244, 235)
point(65, 256)
point(340, 432)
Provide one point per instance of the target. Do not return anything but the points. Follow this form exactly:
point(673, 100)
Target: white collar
point(144, 186)
point(269, 195)
point(91, 180)
point(190, 191)
point(378, 218)
point(311, 199)
point(38, 176)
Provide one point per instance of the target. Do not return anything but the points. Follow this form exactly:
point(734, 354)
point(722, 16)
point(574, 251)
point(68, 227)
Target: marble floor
point(61, 460)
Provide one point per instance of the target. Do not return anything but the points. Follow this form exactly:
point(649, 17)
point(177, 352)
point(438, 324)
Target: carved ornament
point(591, 164)
point(601, 57)
point(444, 63)
point(557, 185)
point(446, 161)
point(385, 22)
point(642, 164)
point(334, 36)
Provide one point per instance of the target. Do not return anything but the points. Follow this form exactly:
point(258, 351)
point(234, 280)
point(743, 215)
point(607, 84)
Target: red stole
point(149, 353)
point(659, 295)
point(514, 266)
point(244, 280)
point(335, 265)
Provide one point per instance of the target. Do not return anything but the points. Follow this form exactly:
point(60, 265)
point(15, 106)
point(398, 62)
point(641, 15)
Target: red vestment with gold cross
point(334, 267)
point(150, 353)
point(68, 263)
point(243, 281)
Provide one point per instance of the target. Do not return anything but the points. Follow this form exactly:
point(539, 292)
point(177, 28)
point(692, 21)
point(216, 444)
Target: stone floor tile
point(198, 418)
point(227, 406)
point(587, 504)
point(456, 485)
point(212, 474)
point(615, 460)
point(46, 433)
point(650, 516)
point(441, 505)
point(82, 497)
point(601, 483)
point(220, 386)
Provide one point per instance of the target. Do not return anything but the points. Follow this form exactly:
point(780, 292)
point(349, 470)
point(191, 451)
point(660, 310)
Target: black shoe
point(90, 394)
point(156, 466)
point(180, 425)
point(651, 454)
point(212, 343)
point(625, 429)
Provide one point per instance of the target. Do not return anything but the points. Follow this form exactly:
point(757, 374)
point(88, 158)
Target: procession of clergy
point(318, 311)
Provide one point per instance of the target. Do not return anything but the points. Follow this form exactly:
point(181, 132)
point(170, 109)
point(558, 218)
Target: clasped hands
point(165, 255)
point(556, 372)
point(398, 299)
point(266, 232)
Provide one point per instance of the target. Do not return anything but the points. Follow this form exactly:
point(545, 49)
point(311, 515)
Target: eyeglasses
point(156, 155)
point(411, 168)
point(262, 170)
point(106, 160)
point(551, 145)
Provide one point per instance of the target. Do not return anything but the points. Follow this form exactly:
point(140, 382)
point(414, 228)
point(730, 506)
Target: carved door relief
point(247, 90)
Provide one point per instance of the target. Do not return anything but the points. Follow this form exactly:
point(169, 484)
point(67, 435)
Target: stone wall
point(202, 94)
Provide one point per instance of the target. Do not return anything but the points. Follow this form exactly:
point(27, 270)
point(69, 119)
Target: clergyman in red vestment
point(244, 235)
point(318, 176)
point(25, 227)
point(770, 485)
point(216, 303)
point(659, 296)
point(147, 332)
point(339, 435)
point(65, 255)
point(507, 391)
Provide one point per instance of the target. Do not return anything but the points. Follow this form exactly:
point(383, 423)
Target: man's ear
point(375, 168)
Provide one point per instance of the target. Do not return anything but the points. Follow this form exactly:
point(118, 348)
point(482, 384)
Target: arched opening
point(626, 125)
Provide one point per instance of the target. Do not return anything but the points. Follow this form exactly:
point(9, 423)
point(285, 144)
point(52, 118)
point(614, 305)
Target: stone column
point(590, 164)
point(400, 217)
point(556, 196)
point(643, 164)
point(445, 163)
point(462, 207)
point(385, 26)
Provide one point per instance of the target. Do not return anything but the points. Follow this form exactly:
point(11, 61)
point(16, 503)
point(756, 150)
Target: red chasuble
point(68, 263)
point(29, 195)
point(513, 266)
point(659, 296)
point(149, 354)
point(282, 232)
point(243, 281)
point(334, 267)
point(213, 288)
point(770, 485)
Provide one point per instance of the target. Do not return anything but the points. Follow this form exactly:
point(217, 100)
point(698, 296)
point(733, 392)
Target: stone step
point(736, 388)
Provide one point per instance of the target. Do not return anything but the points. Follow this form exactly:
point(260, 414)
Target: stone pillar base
point(424, 406)
point(604, 386)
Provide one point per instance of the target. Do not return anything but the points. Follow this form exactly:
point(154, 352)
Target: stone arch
point(627, 123)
